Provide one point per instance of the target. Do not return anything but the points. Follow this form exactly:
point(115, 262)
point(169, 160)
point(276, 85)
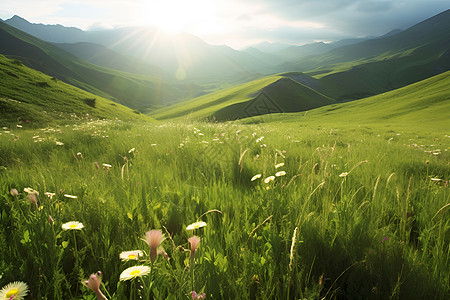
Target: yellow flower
point(196, 225)
point(73, 225)
point(281, 173)
point(269, 179)
point(16, 290)
point(134, 272)
point(256, 177)
point(130, 255)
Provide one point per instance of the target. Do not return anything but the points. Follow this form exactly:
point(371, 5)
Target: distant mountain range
point(144, 69)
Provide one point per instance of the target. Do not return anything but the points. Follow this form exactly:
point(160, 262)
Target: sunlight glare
point(175, 16)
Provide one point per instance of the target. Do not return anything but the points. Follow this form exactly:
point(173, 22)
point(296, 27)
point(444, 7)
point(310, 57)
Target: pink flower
point(194, 241)
point(153, 239)
point(93, 283)
point(196, 296)
point(14, 192)
point(50, 219)
point(33, 200)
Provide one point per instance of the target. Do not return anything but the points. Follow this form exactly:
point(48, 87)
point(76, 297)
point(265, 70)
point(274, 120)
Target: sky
point(236, 23)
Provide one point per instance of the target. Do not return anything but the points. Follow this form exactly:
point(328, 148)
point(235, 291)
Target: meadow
point(292, 210)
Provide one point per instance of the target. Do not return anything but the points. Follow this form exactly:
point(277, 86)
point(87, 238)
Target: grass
point(382, 231)
point(31, 98)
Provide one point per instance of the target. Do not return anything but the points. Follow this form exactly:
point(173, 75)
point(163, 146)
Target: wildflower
point(343, 174)
point(385, 239)
point(134, 272)
point(93, 283)
point(29, 190)
point(279, 165)
point(50, 195)
point(15, 290)
point(196, 225)
point(107, 166)
point(281, 173)
point(130, 255)
point(50, 219)
point(269, 179)
point(154, 238)
point(196, 296)
point(59, 143)
point(256, 177)
point(32, 199)
point(260, 139)
point(131, 150)
point(14, 192)
point(19, 126)
point(73, 225)
point(70, 196)
point(79, 155)
point(96, 164)
point(194, 241)
point(436, 179)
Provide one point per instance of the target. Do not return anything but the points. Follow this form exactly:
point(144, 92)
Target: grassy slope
point(426, 102)
point(279, 94)
point(136, 91)
point(26, 94)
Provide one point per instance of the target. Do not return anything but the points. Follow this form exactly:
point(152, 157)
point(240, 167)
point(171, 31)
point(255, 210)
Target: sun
point(174, 16)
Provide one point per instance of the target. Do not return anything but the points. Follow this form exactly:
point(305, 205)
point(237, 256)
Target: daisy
point(279, 165)
point(196, 225)
point(16, 290)
point(29, 190)
point(281, 173)
point(107, 166)
point(343, 174)
point(70, 196)
point(50, 195)
point(131, 150)
point(134, 272)
point(256, 177)
point(269, 179)
point(130, 255)
point(73, 225)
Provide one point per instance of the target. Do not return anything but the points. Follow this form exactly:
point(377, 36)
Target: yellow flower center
point(12, 292)
point(132, 256)
point(73, 225)
point(135, 273)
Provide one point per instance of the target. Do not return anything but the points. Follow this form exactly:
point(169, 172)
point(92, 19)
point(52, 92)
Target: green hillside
point(426, 103)
point(26, 94)
point(136, 91)
point(382, 64)
point(270, 94)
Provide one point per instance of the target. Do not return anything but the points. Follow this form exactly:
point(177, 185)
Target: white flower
point(131, 255)
point(196, 225)
point(256, 177)
point(281, 173)
point(131, 150)
point(279, 165)
point(15, 290)
point(59, 143)
point(343, 174)
point(134, 272)
point(70, 196)
point(30, 191)
point(107, 166)
point(269, 179)
point(73, 225)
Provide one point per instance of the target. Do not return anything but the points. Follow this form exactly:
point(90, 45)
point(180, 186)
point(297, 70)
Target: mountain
point(183, 56)
point(269, 47)
point(133, 90)
point(426, 102)
point(105, 57)
point(381, 64)
point(271, 94)
point(35, 99)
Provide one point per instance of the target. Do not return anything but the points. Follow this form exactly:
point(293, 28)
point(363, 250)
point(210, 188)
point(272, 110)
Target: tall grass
point(380, 231)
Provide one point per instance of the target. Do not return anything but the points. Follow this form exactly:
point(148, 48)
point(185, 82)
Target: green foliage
point(380, 231)
point(31, 98)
